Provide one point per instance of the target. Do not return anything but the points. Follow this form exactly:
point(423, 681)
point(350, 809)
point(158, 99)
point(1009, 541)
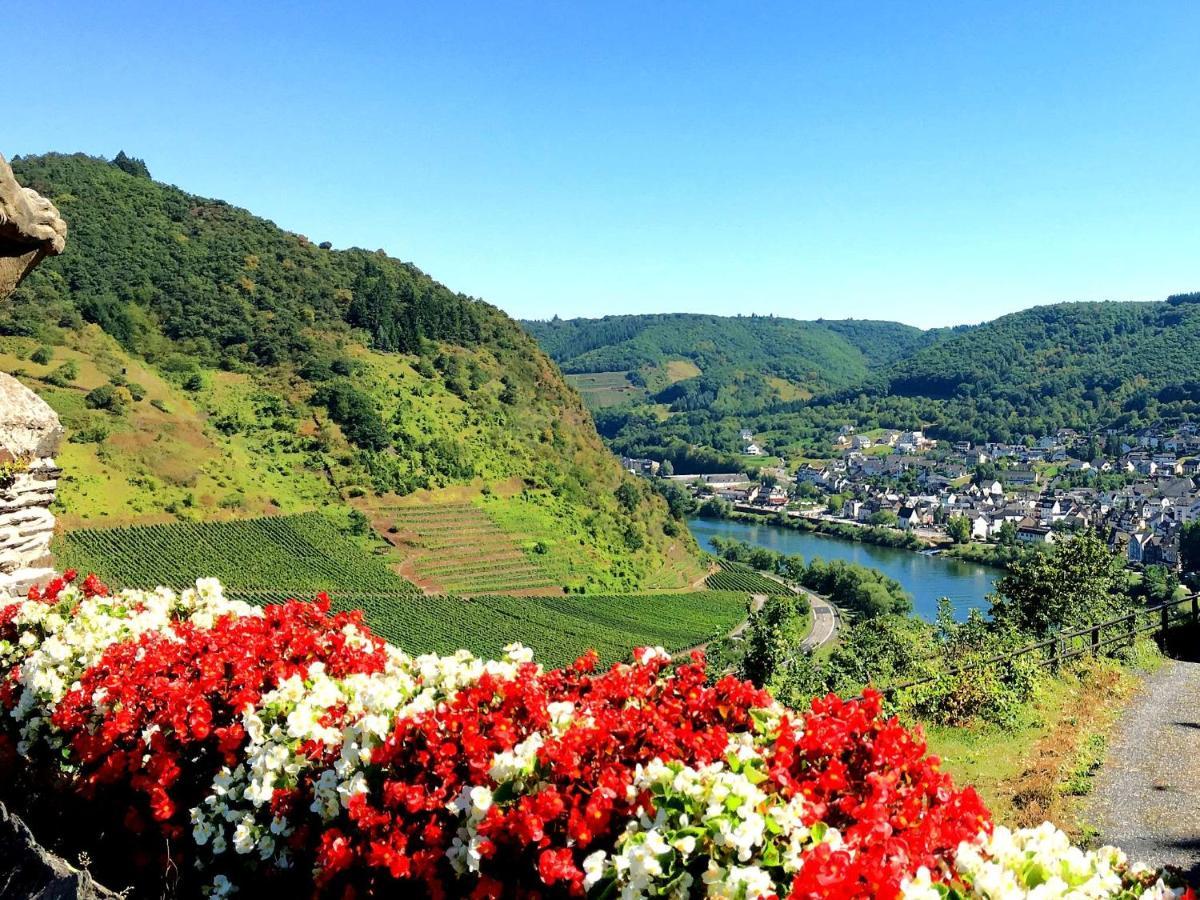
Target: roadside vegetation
point(1030, 736)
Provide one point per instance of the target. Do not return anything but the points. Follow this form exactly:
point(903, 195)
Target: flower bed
point(285, 746)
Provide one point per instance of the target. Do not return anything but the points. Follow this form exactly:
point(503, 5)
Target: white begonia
point(59, 642)
point(752, 839)
point(1036, 863)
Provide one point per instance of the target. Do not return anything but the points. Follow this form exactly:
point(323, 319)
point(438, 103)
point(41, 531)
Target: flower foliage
point(289, 745)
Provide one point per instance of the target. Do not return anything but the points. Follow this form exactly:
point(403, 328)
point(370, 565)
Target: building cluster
point(1137, 489)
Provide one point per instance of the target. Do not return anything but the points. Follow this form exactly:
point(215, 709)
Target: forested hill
point(794, 384)
point(1071, 364)
point(208, 363)
point(810, 355)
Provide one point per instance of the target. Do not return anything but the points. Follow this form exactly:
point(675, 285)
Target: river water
point(927, 578)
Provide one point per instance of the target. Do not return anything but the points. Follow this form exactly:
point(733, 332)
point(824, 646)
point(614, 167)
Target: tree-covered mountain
point(1072, 364)
point(206, 362)
point(810, 355)
point(793, 384)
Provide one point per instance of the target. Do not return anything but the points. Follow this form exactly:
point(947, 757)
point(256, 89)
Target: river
point(927, 578)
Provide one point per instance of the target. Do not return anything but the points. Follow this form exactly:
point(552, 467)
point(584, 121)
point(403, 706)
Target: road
point(825, 616)
point(825, 619)
point(825, 623)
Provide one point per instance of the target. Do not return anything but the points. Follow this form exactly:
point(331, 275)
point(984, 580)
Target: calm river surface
point(927, 578)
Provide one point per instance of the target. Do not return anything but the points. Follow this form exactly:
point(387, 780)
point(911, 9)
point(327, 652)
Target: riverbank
point(926, 578)
point(879, 535)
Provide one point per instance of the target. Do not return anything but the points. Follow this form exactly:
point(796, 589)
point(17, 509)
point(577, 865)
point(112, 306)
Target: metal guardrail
point(1088, 640)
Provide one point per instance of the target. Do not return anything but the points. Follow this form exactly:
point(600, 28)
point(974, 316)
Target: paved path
point(825, 622)
point(825, 616)
point(1148, 792)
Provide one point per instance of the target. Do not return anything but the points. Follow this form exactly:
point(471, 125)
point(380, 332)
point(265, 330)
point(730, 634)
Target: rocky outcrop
point(30, 230)
point(29, 871)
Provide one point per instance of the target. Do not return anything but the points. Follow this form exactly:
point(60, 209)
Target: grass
point(1037, 769)
point(679, 369)
point(163, 460)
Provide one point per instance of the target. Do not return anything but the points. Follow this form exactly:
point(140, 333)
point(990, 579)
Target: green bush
point(64, 375)
point(115, 400)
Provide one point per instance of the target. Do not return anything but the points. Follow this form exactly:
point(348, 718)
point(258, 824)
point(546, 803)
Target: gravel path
point(1148, 792)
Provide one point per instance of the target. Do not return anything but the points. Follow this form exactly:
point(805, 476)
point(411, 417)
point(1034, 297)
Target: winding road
point(825, 619)
point(825, 616)
point(825, 623)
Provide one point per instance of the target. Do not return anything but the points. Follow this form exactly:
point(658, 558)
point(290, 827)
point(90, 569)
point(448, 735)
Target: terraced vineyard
point(735, 576)
point(304, 552)
point(455, 548)
point(559, 629)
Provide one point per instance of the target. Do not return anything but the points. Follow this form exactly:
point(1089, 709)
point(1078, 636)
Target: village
point(1138, 489)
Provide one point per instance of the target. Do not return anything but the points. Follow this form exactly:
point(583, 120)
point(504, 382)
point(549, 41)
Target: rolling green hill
point(1081, 365)
point(208, 364)
point(681, 386)
point(810, 355)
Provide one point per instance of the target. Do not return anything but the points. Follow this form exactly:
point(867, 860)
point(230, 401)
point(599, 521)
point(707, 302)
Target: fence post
point(1095, 640)
point(1166, 620)
point(1195, 609)
point(1132, 617)
point(1055, 648)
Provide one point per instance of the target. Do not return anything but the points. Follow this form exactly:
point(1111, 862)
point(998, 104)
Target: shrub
point(115, 400)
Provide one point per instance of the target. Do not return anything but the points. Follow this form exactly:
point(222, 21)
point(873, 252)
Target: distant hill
point(1070, 364)
point(811, 355)
point(208, 364)
point(793, 383)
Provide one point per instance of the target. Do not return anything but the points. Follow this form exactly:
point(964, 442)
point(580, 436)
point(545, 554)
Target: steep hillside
point(208, 364)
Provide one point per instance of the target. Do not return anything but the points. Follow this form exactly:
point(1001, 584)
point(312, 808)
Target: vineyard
point(455, 548)
point(304, 552)
point(738, 577)
point(558, 629)
point(274, 559)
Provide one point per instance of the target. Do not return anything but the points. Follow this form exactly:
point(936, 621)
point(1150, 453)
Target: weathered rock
point(30, 432)
point(30, 230)
point(28, 870)
point(28, 426)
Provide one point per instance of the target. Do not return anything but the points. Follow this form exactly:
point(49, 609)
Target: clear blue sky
point(931, 162)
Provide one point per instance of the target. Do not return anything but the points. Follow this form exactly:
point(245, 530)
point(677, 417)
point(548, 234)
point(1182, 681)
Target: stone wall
point(30, 229)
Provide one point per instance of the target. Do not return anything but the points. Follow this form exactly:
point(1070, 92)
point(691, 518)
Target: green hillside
point(682, 387)
point(272, 559)
point(289, 553)
point(1071, 364)
point(208, 364)
point(1081, 365)
point(810, 355)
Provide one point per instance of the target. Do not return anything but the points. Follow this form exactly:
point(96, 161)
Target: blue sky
point(934, 163)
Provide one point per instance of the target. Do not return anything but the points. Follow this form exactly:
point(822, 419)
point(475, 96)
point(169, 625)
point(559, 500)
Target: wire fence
point(1088, 640)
